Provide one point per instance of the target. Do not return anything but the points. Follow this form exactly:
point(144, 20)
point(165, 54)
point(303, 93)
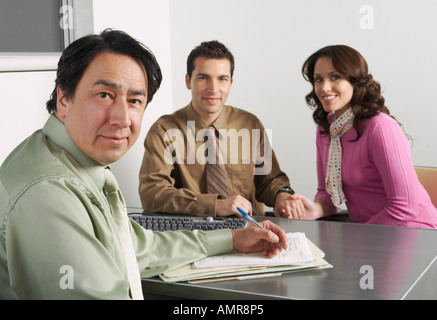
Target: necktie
point(216, 182)
point(333, 175)
point(119, 213)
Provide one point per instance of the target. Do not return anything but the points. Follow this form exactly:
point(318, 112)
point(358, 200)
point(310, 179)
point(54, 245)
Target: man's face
point(210, 84)
point(104, 117)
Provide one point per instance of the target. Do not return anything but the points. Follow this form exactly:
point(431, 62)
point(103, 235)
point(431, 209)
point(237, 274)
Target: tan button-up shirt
point(172, 175)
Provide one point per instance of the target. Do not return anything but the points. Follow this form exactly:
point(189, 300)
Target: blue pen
point(251, 220)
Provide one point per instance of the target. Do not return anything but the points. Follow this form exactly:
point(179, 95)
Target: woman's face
point(332, 88)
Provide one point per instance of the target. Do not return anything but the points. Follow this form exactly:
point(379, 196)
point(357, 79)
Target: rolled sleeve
point(158, 252)
point(219, 242)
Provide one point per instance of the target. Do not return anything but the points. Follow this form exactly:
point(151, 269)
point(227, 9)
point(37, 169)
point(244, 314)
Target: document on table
point(247, 264)
point(298, 252)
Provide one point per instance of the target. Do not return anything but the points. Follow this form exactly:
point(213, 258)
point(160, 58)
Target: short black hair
point(210, 50)
point(80, 53)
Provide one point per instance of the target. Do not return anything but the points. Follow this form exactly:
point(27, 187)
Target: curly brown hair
point(366, 100)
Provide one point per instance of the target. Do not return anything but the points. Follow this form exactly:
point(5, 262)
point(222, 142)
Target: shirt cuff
point(219, 242)
point(327, 198)
point(206, 205)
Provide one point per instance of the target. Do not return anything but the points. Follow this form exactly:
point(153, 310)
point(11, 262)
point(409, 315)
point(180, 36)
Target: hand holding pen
point(273, 234)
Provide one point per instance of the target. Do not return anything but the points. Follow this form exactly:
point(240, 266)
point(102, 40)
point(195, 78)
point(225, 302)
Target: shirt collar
point(55, 130)
point(219, 123)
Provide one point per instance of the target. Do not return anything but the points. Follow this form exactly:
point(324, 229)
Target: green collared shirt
point(58, 239)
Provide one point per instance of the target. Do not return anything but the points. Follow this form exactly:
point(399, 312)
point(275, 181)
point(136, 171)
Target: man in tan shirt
point(179, 146)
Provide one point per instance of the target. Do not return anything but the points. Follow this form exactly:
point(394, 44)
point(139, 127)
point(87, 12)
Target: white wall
point(23, 106)
point(270, 41)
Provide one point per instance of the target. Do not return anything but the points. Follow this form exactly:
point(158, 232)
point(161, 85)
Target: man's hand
point(254, 239)
point(287, 206)
point(228, 206)
point(313, 210)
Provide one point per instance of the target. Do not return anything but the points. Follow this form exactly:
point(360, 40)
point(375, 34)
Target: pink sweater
point(379, 180)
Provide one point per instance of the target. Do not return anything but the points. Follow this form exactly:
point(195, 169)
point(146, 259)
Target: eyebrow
point(115, 86)
point(335, 71)
point(209, 76)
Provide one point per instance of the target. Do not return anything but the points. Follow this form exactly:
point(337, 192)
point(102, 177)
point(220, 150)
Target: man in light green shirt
point(58, 238)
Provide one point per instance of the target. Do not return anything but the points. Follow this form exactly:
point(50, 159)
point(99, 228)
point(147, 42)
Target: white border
point(29, 62)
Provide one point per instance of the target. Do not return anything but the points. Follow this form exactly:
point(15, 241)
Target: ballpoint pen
point(251, 220)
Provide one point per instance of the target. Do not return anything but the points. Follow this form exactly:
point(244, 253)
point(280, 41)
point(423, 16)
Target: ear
point(61, 104)
point(188, 81)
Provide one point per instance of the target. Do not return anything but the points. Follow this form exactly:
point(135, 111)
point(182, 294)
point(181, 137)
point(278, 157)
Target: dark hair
point(366, 100)
point(79, 54)
point(211, 50)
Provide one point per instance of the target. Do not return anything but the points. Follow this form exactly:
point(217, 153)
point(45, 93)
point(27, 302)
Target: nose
point(326, 86)
point(212, 85)
point(119, 114)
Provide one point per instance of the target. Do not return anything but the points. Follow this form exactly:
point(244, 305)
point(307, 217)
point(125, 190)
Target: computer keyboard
point(168, 223)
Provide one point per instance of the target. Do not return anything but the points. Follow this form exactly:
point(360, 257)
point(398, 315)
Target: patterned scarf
point(333, 175)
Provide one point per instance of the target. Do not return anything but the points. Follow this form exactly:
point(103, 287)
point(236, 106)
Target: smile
point(211, 99)
point(328, 98)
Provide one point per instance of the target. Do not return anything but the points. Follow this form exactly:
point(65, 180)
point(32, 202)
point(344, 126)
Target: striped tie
point(119, 213)
point(216, 182)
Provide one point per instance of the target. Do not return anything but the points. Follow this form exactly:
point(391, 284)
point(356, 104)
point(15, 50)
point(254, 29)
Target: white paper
point(298, 252)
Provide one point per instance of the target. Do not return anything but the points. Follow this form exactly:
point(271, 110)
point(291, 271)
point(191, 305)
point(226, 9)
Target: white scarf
point(333, 173)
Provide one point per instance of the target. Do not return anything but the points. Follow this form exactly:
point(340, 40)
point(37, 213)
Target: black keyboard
point(168, 223)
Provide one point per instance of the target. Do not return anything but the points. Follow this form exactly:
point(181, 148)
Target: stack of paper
point(301, 254)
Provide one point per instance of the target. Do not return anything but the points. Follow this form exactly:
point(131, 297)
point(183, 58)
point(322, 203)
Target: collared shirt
point(172, 175)
point(58, 239)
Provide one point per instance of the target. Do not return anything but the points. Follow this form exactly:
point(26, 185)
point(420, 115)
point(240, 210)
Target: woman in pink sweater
point(363, 156)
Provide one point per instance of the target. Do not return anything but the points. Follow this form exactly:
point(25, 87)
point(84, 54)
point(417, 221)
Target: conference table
point(369, 262)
